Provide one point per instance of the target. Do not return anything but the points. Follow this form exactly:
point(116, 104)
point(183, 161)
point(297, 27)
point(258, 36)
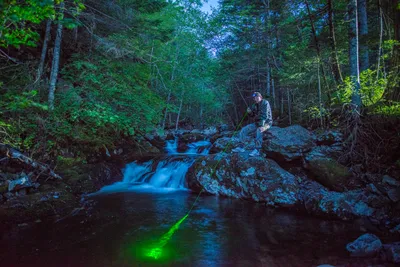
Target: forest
point(81, 75)
point(83, 80)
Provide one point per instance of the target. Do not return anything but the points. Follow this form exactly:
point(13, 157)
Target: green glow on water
point(160, 253)
point(157, 251)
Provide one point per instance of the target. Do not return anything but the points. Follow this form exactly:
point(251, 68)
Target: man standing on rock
point(261, 110)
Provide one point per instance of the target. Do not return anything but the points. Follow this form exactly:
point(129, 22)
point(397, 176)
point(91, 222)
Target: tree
point(363, 34)
point(56, 57)
point(353, 53)
point(332, 38)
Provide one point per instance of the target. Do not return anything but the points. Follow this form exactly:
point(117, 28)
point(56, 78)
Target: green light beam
point(156, 252)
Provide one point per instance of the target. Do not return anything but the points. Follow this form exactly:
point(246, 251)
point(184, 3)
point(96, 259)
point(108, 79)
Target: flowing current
point(164, 175)
point(131, 216)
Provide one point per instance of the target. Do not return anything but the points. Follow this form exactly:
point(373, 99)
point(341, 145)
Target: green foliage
point(19, 18)
point(390, 109)
point(112, 101)
point(315, 112)
point(371, 91)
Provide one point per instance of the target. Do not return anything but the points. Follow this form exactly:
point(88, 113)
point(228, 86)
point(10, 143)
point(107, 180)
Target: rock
point(392, 252)
point(288, 143)
point(327, 151)
point(319, 201)
point(396, 229)
point(372, 188)
point(394, 194)
point(186, 139)
point(366, 245)
point(23, 182)
point(327, 171)
point(209, 131)
point(240, 176)
point(223, 127)
point(225, 144)
point(387, 180)
point(329, 137)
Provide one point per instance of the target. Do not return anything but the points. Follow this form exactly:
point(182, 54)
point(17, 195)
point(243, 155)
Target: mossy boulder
point(288, 144)
point(240, 176)
point(326, 170)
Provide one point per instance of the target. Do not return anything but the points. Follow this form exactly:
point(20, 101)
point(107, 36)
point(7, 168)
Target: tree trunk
point(166, 109)
point(334, 56)
point(353, 54)
point(268, 80)
point(380, 39)
point(44, 50)
point(289, 109)
point(273, 93)
point(179, 113)
point(170, 91)
point(319, 96)
point(56, 59)
point(396, 18)
point(363, 34)
point(317, 47)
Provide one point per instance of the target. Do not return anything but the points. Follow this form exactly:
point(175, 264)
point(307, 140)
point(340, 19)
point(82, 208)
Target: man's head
point(257, 97)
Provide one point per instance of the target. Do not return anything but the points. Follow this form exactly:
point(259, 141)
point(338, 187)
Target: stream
point(131, 218)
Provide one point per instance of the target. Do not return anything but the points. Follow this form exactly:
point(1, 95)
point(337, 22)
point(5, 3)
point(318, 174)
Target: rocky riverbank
point(299, 170)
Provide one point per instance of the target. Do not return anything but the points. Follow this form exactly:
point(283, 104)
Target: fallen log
point(12, 153)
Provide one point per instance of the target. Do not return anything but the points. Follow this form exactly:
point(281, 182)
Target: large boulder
point(326, 170)
point(366, 245)
point(319, 201)
point(288, 143)
point(240, 176)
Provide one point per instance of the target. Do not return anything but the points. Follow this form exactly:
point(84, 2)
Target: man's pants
point(252, 130)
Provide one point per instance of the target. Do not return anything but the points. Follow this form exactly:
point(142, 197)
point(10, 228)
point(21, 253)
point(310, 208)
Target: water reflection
point(218, 232)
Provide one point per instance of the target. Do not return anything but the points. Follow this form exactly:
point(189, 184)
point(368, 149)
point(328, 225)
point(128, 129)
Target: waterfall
point(164, 175)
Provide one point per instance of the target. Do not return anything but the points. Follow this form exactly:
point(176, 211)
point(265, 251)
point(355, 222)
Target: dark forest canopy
point(86, 74)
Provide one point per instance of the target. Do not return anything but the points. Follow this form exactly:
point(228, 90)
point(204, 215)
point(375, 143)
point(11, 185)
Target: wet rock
point(322, 202)
point(394, 194)
point(188, 138)
point(327, 171)
point(223, 127)
point(207, 132)
point(225, 144)
point(366, 245)
point(333, 152)
point(387, 180)
point(288, 143)
point(240, 176)
point(396, 229)
point(18, 184)
point(392, 252)
point(372, 188)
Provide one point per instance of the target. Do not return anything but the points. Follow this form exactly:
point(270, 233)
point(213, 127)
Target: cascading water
point(167, 174)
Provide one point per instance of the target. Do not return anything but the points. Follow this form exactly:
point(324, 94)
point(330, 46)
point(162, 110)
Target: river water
point(138, 216)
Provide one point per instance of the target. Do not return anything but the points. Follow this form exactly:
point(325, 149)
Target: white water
point(165, 176)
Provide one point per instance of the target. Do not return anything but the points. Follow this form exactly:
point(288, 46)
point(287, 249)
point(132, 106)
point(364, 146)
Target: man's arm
point(251, 110)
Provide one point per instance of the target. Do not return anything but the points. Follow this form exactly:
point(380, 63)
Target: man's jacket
point(262, 113)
